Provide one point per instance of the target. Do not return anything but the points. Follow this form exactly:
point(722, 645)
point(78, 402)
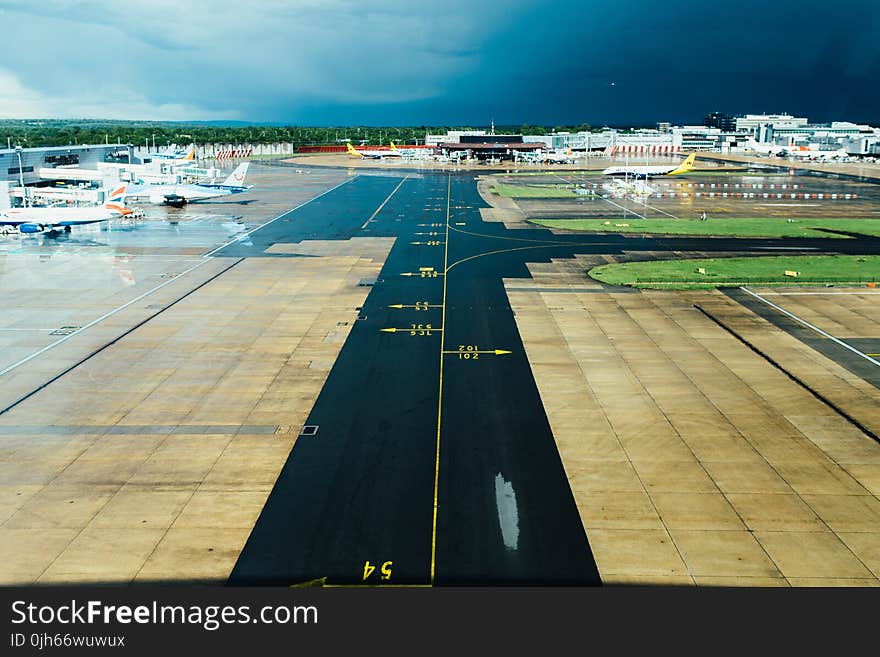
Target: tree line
point(56, 132)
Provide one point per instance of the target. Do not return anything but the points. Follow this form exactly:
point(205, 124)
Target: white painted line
point(810, 326)
point(204, 259)
point(388, 198)
point(241, 236)
point(27, 329)
point(100, 319)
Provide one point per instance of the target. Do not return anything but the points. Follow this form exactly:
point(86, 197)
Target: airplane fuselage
point(639, 172)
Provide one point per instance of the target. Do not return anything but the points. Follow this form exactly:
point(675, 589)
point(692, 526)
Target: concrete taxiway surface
point(381, 387)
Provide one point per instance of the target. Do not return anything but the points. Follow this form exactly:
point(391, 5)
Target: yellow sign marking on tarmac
point(385, 571)
point(430, 243)
point(472, 352)
point(418, 305)
point(424, 272)
point(429, 225)
point(872, 355)
point(414, 329)
point(460, 223)
point(432, 233)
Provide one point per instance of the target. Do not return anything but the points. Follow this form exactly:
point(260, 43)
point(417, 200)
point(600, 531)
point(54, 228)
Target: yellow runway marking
point(497, 352)
point(419, 329)
point(440, 387)
point(419, 305)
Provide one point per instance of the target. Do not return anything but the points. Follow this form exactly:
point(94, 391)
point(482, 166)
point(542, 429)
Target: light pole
point(18, 150)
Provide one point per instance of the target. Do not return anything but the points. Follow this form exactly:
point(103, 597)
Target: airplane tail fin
point(115, 200)
point(684, 167)
point(351, 150)
point(190, 152)
point(236, 179)
point(393, 147)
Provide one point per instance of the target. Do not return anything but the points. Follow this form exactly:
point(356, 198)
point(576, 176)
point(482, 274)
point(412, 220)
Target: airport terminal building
point(52, 157)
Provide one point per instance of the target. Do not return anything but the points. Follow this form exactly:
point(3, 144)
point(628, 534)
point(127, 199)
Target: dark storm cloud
point(439, 61)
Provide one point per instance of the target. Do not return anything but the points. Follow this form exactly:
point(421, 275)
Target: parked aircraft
point(235, 181)
point(810, 154)
point(374, 154)
point(50, 219)
point(178, 195)
point(176, 155)
point(650, 171)
point(763, 149)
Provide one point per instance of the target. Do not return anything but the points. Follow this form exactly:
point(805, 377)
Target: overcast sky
point(331, 62)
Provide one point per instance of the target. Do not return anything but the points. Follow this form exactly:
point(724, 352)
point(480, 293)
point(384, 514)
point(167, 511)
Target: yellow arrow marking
point(497, 352)
point(422, 329)
point(413, 305)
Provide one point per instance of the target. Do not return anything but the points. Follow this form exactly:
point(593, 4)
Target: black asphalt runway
point(355, 503)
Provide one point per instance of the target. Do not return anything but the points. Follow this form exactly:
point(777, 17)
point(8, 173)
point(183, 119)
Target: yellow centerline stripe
point(440, 386)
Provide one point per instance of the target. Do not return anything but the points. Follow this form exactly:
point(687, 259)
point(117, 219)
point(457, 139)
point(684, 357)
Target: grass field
point(764, 270)
point(534, 191)
point(722, 226)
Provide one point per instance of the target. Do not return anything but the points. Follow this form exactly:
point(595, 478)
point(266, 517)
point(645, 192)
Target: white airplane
point(234, 182)
point(49, 220)
point(375, 155)
point(174, 155)
point(809, 154)
point(405, 151)
point(650, 171)
point(178, 195)
point(171, 151)
point(764, 149)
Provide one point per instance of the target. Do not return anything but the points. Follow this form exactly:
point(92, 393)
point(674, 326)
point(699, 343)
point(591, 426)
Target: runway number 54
point(385, 570)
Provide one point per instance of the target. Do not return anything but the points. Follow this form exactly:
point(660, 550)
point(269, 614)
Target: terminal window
point(17, 171)
point(62, 160)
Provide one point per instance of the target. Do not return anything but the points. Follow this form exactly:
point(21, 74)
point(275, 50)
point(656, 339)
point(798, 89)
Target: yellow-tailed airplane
point(375, 155)
point(650, 171)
